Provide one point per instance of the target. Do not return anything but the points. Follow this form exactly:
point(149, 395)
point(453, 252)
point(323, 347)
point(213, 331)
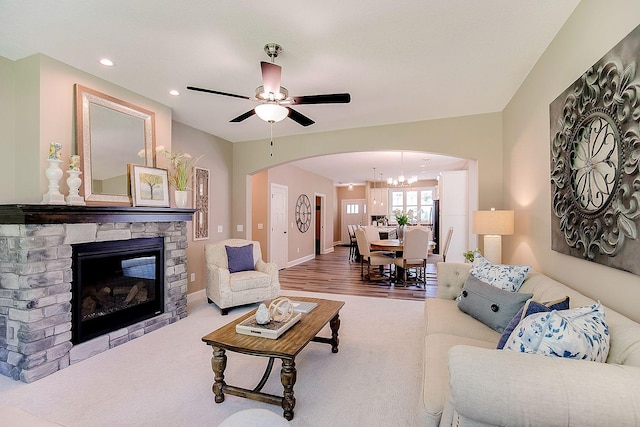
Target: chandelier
point(401, 180)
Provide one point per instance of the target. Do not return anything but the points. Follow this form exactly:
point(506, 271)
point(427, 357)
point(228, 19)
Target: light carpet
point(164, 378)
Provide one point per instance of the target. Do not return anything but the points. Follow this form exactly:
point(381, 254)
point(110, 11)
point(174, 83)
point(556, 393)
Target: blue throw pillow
point(240, 258)
point(531, 307)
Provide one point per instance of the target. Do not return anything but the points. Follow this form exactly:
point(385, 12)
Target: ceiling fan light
point(271, 113)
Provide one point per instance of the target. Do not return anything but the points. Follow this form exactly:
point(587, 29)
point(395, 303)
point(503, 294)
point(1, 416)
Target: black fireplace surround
point(116, 284)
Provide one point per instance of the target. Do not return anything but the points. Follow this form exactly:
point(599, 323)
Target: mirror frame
point(84, 98)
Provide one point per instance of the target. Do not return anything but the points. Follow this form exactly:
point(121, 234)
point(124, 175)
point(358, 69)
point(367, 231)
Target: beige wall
point(7, 128)
point(216, 156)
point(593, 29)
point(476, 137)
point(44, 113)
point(260, 210)
point(298, 181)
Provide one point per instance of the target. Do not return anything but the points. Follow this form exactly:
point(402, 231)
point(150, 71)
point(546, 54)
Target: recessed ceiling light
point(106, 62)
point(174, 92)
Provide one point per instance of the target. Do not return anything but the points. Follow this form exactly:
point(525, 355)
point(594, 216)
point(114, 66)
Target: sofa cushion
point(443, 317)
point(240, 258)
point(435, 381)
point(492, 306)
point(250, 279)
point(580, 333)
point(506, 277)
point(531, 307)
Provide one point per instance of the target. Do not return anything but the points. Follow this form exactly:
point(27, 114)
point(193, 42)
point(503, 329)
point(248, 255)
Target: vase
point(180, 196)
point(53, 174)
point(400, 231)
point(74, 182)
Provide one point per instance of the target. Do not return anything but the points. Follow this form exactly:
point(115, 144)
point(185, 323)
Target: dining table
point(394, 245)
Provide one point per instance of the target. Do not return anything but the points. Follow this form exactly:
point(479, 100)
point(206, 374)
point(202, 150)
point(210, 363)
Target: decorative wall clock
point(595, 161)
point(303, 213)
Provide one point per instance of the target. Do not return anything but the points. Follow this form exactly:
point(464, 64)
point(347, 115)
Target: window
point(416, 202)
point(352, 208)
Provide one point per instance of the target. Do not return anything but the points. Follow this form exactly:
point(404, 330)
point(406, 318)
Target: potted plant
point(470, 255)
point(402, 219)
point(179, 171)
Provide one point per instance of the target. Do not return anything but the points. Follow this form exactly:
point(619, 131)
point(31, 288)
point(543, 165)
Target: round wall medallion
point(595, 159)
point(303, 213)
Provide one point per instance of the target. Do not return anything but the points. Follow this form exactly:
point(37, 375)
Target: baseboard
point(196, 295)
point(328, 250)
point(301, 260)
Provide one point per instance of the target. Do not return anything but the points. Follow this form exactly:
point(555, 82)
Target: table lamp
point(493, 224)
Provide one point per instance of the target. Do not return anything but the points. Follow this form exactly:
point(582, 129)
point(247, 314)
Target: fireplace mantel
point(63, 214)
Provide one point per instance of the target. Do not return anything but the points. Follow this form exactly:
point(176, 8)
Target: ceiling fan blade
point(333, 98)
point(217, 92)
point(271, 74)
point(299, 118)
point(243, 116)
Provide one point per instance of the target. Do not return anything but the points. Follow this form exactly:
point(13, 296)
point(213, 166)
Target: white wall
point(7, 128)
point(594, 28)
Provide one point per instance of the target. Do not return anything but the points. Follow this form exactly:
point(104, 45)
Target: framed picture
point(200, 203)
point(149, 186)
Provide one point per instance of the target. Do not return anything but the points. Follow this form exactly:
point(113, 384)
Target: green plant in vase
point(470, 255)
point(402, 218)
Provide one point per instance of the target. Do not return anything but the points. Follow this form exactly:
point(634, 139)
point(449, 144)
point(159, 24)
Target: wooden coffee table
point(285, 348)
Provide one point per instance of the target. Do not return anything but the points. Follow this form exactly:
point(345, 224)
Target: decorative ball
point(281, 309)
point(262, 315)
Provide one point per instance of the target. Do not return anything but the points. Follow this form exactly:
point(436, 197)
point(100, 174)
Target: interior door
point(279, 239)
point(353, 212)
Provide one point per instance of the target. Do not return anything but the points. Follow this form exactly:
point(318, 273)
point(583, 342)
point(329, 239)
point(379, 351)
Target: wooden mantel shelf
point(63, 214)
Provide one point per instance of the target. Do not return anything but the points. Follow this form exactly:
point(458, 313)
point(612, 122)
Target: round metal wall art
point(595, 158)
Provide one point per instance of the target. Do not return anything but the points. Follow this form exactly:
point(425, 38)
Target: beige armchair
point(227, 289)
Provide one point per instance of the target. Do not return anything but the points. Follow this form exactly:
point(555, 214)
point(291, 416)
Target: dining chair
point(375, 258)
point(372, 233)
point(442, 257)
point(351, 228)
point(414, 254)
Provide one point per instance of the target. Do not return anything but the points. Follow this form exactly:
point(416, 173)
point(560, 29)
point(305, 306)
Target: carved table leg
point(288, 379)
point(218, 364)
point(335, 325)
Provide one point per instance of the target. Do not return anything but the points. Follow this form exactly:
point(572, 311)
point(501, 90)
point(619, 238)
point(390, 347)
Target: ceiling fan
point(274, 99)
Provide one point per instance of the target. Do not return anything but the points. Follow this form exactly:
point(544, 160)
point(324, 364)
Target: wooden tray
point(271, 330)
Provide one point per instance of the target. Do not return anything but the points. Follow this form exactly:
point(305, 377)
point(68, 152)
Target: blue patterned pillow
point(529, 308)
point(505, 277)
point(240, 258)
point(581, 333)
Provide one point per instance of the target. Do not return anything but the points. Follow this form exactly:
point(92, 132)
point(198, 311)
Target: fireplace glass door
point(116, 284)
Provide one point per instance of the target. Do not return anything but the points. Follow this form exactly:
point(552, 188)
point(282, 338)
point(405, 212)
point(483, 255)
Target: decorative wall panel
point(595, 159)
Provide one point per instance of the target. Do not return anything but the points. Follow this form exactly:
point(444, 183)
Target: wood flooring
point(334, 273)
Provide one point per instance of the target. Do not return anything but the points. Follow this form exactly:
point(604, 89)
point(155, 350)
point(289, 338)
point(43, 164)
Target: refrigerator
point(435, 223)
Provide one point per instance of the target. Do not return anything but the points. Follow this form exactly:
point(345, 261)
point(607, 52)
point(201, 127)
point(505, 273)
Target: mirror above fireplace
point(111, 134)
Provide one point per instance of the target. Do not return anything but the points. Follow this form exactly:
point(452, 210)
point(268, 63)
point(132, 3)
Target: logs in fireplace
point(115, 284)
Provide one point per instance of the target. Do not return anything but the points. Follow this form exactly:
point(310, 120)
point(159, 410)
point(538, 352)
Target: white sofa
point(227, 289)
point(467, 382)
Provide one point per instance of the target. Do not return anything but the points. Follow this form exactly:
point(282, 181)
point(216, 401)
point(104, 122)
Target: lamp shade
point(499, 223)
point(271, 113)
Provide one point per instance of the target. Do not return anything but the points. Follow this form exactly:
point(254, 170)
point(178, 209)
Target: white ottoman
point(255, 417)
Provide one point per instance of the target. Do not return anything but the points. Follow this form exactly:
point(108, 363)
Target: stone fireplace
point(37, 279)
